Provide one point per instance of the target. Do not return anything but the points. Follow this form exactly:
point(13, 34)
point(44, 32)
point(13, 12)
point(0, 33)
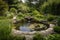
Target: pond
point(28, 25)
point(25, 27)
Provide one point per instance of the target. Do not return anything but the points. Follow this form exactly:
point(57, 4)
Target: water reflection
point(25, 28)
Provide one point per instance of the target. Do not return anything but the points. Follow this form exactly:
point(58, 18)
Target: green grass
point(5, 31)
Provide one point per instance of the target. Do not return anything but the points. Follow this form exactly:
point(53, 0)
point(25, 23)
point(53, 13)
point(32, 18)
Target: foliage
point(37, 15)
point(2, 17)
point(50, 17)
point(29, 3)
point(35, 4)
point(9, 1)
point(10, 15)
point(57, 29)
point(23, 8)
point(5, 29)
point(3, 7)
point(11, 37)
point(51, 7)
point(38, 37)
point(13, 10)
point(58, 21)
point(38, 5)
point(20, 16)
point(54, 37)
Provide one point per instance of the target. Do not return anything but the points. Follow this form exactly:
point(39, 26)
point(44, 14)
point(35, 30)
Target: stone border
point(43, 32)
point(29, 35)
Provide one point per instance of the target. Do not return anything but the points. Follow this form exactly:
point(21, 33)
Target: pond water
point(29, 27)
point(25, 28)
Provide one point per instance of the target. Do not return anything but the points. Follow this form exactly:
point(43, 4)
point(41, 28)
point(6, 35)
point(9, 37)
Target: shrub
point(37, 15)
point(51, 7)
point(50, 18)
point(57, 29)
point(13, 10)
point(2, 17)
point(3, 7)
point(54, 37)
point(38, 37)
point(58, 21)
point(11, 37)
point(5, 29)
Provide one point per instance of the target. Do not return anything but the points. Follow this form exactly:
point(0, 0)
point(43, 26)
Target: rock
point(29, 35)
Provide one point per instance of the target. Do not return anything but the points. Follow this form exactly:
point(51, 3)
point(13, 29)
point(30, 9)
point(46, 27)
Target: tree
point(38, 5)
point(3, 7)
point(35, 4)
point(51, 7)
point(9, 1)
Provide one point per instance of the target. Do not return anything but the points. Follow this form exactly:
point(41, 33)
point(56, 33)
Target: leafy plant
point(57, 29)
point(50, 18)
point(3, 7)
point(54, 37)
point(51, 7)
point(5, 29)
point(38, 37)
point(58, 21)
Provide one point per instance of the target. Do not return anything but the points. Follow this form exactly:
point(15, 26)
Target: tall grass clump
point(5, 31)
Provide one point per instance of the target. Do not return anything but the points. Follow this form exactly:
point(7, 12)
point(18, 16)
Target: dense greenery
point(3, 8)
point(51, 7)
point(57, 29)
point(54, 37)
point(49, 37)
point(38, 37)
point(39, 10)
point(5, 31)
point(58, 21)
